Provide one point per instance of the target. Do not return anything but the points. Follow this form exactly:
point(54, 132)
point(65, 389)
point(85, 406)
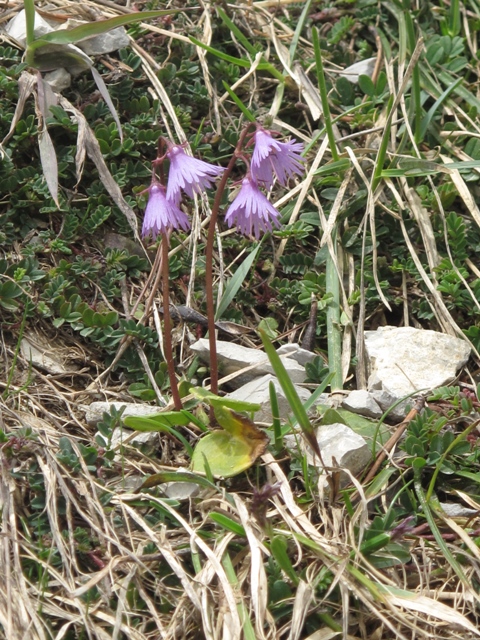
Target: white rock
point(234, 357)
point(120, 435)
point(37, 349)
point(94, 412)
point(59, 80)
point(362, 68)
point(17, 28)
point(180, 490)
point(350, 450)
point(257, 391)
point(295, 352)
point(403, 359)
point(338, 441)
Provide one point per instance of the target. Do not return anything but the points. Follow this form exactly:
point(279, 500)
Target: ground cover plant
point(373, 220)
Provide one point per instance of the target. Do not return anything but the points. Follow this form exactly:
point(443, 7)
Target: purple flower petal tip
point(272, 158)
point(188, 174)
point(251, 211)
point(162, 214)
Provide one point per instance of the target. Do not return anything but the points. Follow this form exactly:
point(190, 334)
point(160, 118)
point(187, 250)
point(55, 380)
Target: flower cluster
point(251, 211)
point(186, 174)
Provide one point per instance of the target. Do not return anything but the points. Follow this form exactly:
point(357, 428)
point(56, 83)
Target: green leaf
point(431, 112)
point(366, 85)
point(217, 401)
point(236, 32)
point(84, 31)
point(236, 282)
point(175, 476)
point(278, 547)
point(246, 112)
point(157, 422)
point(231, 450)
point(163, 423)
point(227, 523)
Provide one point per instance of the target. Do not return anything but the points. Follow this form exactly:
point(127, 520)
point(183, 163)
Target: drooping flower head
point(188, 174)
point(162, 214)
point(273, 158)
point(251, 211)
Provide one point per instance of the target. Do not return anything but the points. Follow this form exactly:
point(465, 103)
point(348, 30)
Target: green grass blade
point(246, 112)
point(227, 523)
point(277, 427)
point(278, 547)
point(291, 394)
point(236, 281)
point(77, 34)
point(322, 87)
point(431, 112)
point(417, 470)
point(334, 331)
point(236, 32)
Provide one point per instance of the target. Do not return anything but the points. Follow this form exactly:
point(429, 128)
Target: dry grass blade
point(26, 83)
point(211, 556)
point(303, 598)
point(258, 578)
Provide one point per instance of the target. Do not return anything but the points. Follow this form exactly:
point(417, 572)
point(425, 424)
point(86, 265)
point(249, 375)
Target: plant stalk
point(322, 87)
point(209, 262)
point(167, 326)
point(29, 7)
point(334, 334)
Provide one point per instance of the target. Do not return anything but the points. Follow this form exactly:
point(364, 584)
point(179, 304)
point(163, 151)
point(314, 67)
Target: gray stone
point(339, 442)
point(403, 359)
point(105, 43)
point(94, 412)
point(233, 358)
point(181, 490)
point(350, 450)
point(257, 391)
point(295, 352)
point(454, 510)
point(37, 349)
point(121, 436)
point(363, 403)
point(59, 79)
point(386, 400)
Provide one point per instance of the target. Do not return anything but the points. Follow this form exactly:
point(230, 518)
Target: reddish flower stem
point(167, 327)
point(209, 261)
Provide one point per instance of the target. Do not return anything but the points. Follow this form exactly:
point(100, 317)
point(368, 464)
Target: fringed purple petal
point(251, 211)
point(162, 214)
point(188, 174)
point(272, 158)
